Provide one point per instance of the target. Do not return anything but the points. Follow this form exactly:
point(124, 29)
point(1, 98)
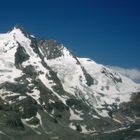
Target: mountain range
point(47, 93)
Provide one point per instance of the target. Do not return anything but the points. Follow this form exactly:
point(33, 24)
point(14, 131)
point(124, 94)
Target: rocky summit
point(47, 93)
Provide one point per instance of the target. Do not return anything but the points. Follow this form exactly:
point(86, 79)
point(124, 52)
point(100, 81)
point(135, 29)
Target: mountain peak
point(19, 29)
point(43, 84)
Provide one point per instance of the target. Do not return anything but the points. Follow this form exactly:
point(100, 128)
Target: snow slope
point(109, 87)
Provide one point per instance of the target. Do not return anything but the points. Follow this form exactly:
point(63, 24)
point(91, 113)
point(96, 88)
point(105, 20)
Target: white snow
point(87, 131)
point(74, 116)
point(32, 36)
point(8, 71)
point(72, 126)
point(95, 69)
point(96, 117)
point(54, 138)
point(39, 117)
point(103, 113)
point(2, 133)
point(112, 92)
point(21, 97)
point(51, 101)
point(115, 130)
point(117, 120)
point(137, 130)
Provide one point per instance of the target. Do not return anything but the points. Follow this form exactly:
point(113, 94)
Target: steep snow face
point(109, 87)
point(68, 70)
point(114, 87)
point(108, 80)
point(8, 47)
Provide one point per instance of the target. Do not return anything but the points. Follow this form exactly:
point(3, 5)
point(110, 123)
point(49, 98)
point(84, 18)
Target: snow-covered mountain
point(48, 93)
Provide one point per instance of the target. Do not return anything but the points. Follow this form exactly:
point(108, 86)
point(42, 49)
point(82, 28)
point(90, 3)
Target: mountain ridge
point(47, 92)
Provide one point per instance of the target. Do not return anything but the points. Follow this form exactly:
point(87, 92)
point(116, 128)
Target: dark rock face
point(51, 48)
point(20, 56)
point(115, 77)
point(131, 108)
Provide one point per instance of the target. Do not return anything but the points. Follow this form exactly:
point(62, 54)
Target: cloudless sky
point(107, 31)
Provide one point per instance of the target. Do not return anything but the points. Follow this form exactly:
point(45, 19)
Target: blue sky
point(107, 31)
